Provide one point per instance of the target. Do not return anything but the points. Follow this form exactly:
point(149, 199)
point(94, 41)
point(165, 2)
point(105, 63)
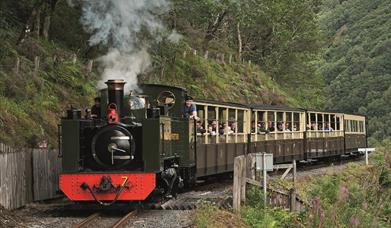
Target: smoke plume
point(118, 24)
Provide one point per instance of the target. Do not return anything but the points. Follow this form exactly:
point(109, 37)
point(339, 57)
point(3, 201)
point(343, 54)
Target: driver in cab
point(190, 109)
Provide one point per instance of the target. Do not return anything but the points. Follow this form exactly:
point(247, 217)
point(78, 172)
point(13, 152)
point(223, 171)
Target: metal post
point(366, 156)
point(264, 177)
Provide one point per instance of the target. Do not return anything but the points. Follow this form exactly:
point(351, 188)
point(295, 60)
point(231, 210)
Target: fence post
point(36, 64)
point(222, 58)
point(90, 64)
point(294, 173)
point(292, 197)
point(243, 177)
point(264, 179)
point(230, 59)
point(74, 58)
point(17, 65)
point(206, 55)
point(238, 182)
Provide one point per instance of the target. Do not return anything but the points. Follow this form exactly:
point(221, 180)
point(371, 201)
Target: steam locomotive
point(135, 148)
point(142, 146)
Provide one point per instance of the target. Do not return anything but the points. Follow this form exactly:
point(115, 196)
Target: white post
point(264, 177)
point(366, 156)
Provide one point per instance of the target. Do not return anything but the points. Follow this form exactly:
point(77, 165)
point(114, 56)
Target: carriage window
point(232, 119)
point(288, 123)
point(240, 122)
point(262, 125)
point(254, 124)
point(352, 129)
point(271, 125)
point(320, 122)
point(201, 122)
point(350, 125)
point(361, 126)
point(326, 124)
point(313, 121)
point(296, 122)
point(201, 112)
point(280, 121)
point(223, 123)
point(332, 122)
point(338, 127)
point(212, 121)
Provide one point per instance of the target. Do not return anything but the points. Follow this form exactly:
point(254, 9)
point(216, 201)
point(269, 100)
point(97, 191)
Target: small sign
point(268, 161)
point(366, 149)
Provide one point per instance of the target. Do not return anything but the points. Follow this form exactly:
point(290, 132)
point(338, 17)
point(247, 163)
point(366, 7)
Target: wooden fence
point(245, 173)
point(27, 175)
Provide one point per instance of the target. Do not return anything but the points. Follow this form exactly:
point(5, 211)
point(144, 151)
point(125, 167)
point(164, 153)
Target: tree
point(38, 22)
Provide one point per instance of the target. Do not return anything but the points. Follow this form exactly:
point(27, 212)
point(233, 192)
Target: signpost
point(366, 151)
point(264, 163)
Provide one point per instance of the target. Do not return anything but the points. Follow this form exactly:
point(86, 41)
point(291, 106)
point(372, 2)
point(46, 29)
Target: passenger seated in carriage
point(271, 126)
point(211, 131)
point(234, 127)
point(313, 126)
point(213, 128)
point(262, 128)
point(328, 127)
point(200, 128)
point(279, 126)
point(226, 129)
point(287, 127)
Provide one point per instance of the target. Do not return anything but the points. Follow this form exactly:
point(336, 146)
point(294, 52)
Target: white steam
point(118, 25)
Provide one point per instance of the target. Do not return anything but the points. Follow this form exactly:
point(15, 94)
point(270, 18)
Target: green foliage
point(32, 102)
point(256, 215)
point(356, 63)
point(358, 196)
point(281, 37)
point(208, 215)
point(207, 78)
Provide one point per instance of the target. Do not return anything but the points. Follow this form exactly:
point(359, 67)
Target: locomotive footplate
point(107, 187)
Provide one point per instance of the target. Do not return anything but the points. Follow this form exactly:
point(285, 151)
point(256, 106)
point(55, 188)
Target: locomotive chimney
point(115, 90)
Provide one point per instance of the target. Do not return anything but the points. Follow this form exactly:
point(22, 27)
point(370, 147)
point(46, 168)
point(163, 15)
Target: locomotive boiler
point(134, 150)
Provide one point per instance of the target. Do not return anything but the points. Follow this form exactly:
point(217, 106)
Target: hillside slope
point(38, 81)
point(34, 96)
point(357, 62)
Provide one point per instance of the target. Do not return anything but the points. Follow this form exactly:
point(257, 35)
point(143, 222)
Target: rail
point(87, 222)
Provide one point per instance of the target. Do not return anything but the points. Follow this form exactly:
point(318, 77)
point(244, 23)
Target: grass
point(208, 215)
point(211, 79)
point(358, 196)
point(32, 102)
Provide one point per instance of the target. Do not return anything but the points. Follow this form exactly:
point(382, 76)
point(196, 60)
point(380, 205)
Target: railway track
point(94, 218)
